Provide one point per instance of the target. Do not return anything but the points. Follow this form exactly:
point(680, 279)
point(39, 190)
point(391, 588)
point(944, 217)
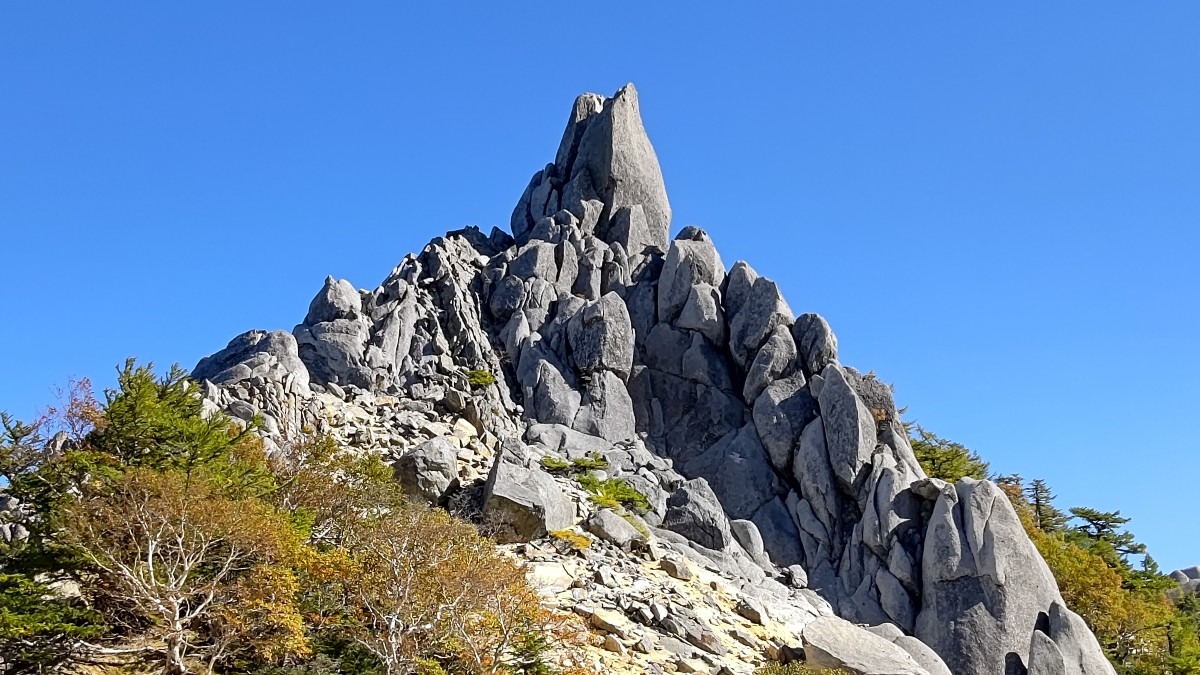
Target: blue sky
point(994, 204)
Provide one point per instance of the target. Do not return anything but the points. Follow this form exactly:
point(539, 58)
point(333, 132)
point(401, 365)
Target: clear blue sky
point(996, 205)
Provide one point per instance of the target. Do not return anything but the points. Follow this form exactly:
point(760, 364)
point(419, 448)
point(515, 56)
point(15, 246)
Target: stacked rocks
point(759, 451)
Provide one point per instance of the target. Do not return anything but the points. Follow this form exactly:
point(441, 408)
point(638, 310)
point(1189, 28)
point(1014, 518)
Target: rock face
point(760, 454)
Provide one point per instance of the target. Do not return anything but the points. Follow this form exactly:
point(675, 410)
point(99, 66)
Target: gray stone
point(983, 583)
point(338, 299)
point(746, 533)
point(690, 631)
point(694, 512)
point(553, 401)
point(752, 610)
point(271, 355)
point(738, 285)
point(606, 409)
point(566, 441)
point(614, 529)
point(738, 471)
point(781, 413)
point(780, 539)
point(815, 341)
point(1080, 650)
point(689, 262)
point(763, 310)
point(849, 428)
point(922, 654)
point(1044, 656)
point(887, 631)
point(676, 568)
point(537, 260)
point(429, 470)
point(773, 361)
point(702, 313)
point(615, 158)
point(601, 337)
point(524, 502)
point(830, 642)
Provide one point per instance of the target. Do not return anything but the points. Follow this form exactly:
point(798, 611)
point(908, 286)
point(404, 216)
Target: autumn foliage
point(161, 539)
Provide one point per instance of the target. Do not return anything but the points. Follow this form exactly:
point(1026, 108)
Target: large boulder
point(830, 642)
point(816, 342)
point(689, 262)
point(428, 471)
point(694, 512)
point(271, 355)
point(523, 502)
point(985, 589)
point(601, 337)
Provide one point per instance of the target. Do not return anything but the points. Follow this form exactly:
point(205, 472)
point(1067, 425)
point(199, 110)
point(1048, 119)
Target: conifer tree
point(1047, 517)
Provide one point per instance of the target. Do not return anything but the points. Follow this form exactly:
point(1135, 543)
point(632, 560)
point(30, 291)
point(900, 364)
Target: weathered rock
point(849, 428)
point(746, 533)
point(606, 409)
point(830, 642)
point(615, 163)
point(601, 337)
point(737, 470)
point(983, 583)
point(763, 310)
point(689, 262)
point(429, 470)
point(922, 654)
point(1044, 656)
point(781, 413)
point(677, 568)
point(257, 353)
point(614, 529)
point(702, 313)
point(694, 512)
point(815, 341)
point(523, 502)
point(773, 361)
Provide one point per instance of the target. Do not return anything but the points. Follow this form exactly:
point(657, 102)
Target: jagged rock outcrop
point(761, 455)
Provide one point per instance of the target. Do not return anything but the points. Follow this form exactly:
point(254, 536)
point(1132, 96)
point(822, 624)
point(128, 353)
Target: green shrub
point(795, 668)
point(613, 493)
point(593, 462)
point(574, 540)
point(479, 379)
point(554, 464)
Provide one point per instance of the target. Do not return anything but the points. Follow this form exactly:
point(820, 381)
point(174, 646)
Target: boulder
point(601, 337)
point(815, 342)
point(611, 527)
point(763, 310)
point(694, 512)
point(849, 428)
point(830, 642)
point(689, 262)
point(522, 501)
point(983, 584)
point(428, 471)
point(270, 355)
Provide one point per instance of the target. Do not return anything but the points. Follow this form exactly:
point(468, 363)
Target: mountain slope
point(762, 457)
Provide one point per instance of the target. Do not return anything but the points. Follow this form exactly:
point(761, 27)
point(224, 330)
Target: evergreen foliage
point(945, 459)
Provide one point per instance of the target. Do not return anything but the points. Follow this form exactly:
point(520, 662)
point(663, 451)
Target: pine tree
point(945, 459)
point(1041, 500)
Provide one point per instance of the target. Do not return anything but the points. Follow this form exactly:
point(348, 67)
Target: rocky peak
point(760, 455)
